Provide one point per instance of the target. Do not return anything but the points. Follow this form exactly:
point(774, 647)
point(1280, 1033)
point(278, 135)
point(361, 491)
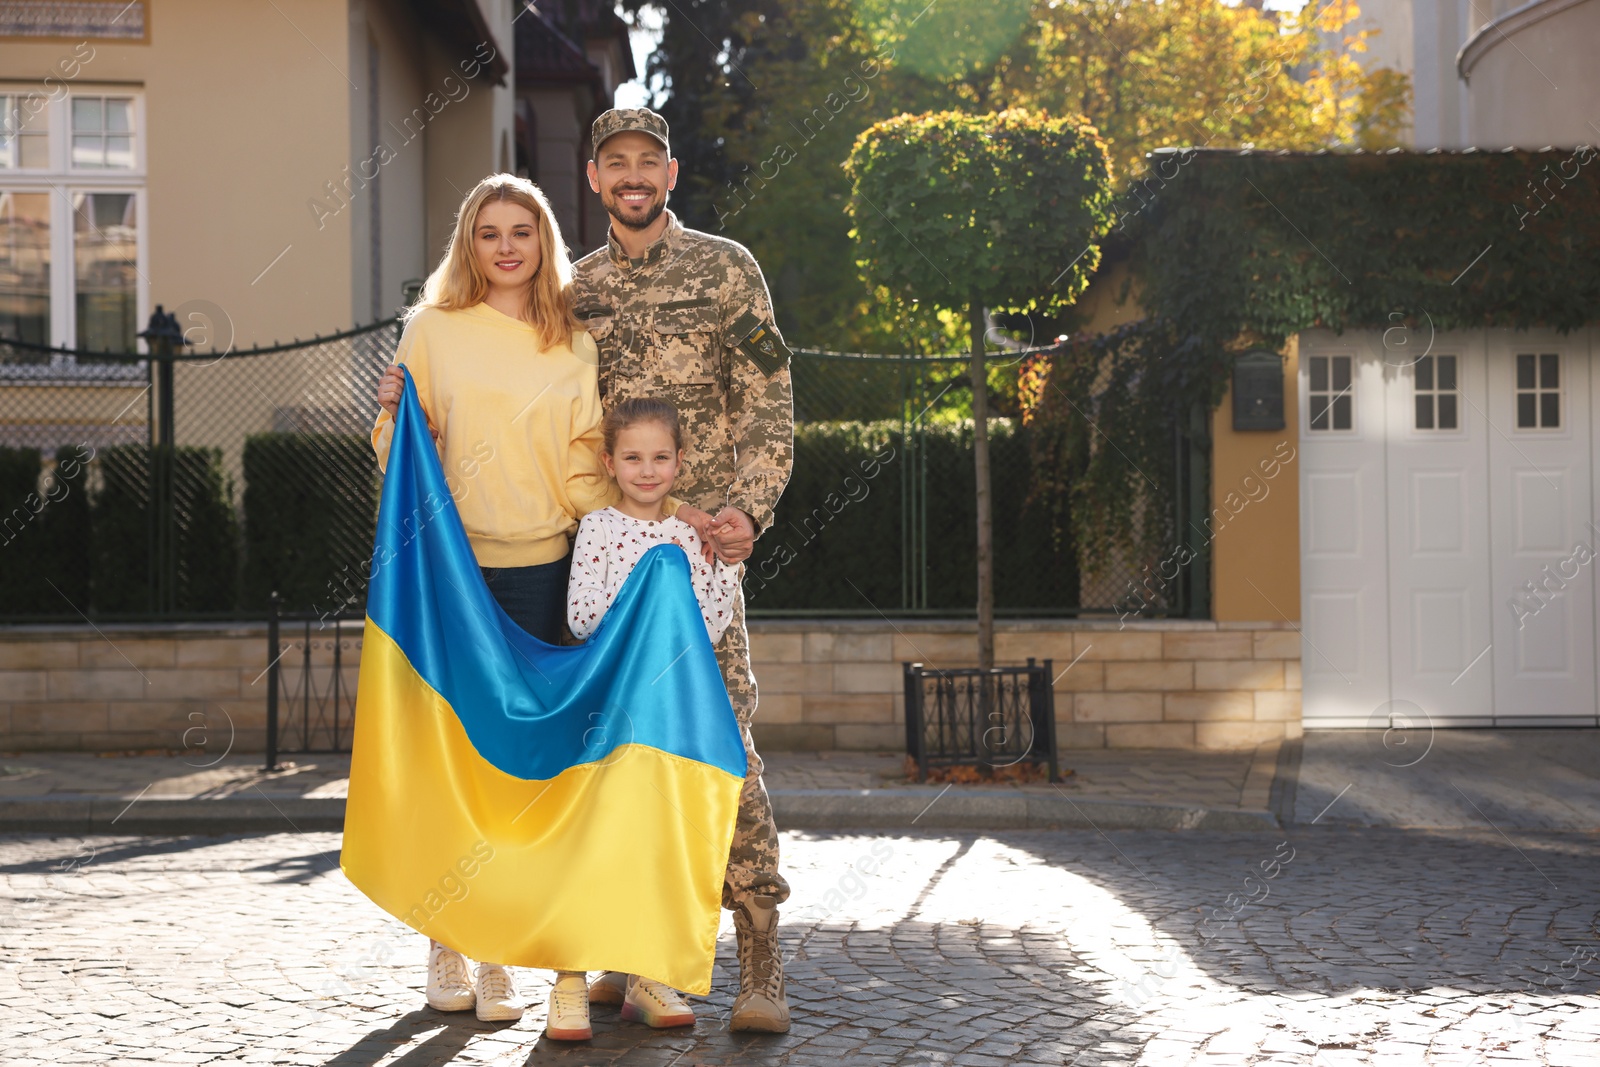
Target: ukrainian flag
point(567, 808)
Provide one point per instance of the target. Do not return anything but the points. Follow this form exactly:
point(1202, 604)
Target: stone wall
point(824, 684)
point(1168, 684)
point(133, 688)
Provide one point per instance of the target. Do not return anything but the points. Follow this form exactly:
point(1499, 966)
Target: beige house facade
point(279, 170)
point(264, 172)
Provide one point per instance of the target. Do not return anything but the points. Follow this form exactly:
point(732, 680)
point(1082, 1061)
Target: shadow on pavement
point(457, 1030)
point(1413, 775)
point(110, 848)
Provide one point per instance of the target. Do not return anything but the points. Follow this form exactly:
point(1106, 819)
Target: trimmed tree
point(976, 212)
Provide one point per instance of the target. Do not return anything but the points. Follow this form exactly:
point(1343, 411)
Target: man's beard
point(652, 213)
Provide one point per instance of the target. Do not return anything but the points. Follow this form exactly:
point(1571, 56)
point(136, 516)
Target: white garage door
point(1447, 522)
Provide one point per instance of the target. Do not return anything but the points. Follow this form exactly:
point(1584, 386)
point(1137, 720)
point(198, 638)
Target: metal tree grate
point(987, 718)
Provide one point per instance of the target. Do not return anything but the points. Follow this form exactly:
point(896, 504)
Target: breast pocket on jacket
point(685, 339)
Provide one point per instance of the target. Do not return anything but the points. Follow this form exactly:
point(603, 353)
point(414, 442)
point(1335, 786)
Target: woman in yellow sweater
point(509, 382)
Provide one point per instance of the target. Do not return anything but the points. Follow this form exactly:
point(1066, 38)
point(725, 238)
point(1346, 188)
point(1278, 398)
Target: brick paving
point(1344, 946)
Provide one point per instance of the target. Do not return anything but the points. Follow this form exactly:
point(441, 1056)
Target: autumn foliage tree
point(1200, 72)
point(765, 118)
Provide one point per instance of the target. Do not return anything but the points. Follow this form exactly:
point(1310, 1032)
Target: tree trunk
point(980, 453)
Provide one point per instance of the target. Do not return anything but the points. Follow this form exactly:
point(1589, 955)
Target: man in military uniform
point(685, 316)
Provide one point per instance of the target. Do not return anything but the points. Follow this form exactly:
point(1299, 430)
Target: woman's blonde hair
point(458, 282)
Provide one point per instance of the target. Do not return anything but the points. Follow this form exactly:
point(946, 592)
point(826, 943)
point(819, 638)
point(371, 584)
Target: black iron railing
point(311, 691)
point(995, 718)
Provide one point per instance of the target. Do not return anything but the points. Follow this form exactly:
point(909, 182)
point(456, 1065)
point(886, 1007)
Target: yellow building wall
point(1255, 486)
point(1103, 306)
point(1255, 500)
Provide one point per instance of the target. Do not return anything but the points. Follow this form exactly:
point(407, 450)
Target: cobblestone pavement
point(1361, 946)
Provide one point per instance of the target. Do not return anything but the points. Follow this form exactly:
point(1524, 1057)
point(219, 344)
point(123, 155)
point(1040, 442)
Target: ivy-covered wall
point(1233, 249)
point(1274, 243)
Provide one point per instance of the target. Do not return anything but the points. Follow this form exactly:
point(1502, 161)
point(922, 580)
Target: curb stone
point(1285, 780)
point(810, 809)
point(996, 810)
point(80, 814)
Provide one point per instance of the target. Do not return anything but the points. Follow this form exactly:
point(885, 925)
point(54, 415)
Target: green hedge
point(205, 532)
point(22, 586)
point(310, 506)
point(64, 526)
point(837, 542)
point(311, 509)
point(44, 546)
point(119, 534)
point(311, 499)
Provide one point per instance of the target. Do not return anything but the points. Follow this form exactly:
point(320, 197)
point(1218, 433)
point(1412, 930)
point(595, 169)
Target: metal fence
point(187, 485)
point(879, 516)
point(183, 484)
point(311, 682)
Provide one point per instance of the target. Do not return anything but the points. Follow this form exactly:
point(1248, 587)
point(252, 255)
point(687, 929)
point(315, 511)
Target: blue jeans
point(534, 597)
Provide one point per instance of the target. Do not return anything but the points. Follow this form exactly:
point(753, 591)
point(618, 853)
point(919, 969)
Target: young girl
point(509, 383)
point(643, 449)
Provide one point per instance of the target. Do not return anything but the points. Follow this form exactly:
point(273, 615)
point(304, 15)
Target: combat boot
point(762, 1004)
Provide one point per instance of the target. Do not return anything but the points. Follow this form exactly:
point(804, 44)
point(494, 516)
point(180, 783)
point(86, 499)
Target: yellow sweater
point(519, 429)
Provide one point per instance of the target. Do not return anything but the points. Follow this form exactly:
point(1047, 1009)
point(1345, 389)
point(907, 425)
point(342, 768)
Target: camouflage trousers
point(753, 858)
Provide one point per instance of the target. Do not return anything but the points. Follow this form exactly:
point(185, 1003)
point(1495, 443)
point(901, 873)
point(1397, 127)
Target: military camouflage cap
point(622, 119)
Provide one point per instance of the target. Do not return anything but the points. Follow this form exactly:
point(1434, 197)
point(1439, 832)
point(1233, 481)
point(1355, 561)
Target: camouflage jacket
point(691, 323)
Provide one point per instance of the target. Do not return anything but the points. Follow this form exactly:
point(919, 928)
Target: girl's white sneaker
point(449, 988)
point(568, 1019)
point(496, 994)
point(657, 1006)
point(610, 988)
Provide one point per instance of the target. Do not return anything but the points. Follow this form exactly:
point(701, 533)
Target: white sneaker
point(568, 1019)
point(449, 989)
point(496, 994)
point(657, 1006)
point(610, 988)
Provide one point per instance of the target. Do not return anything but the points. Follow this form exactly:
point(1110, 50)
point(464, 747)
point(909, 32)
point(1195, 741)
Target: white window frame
point(1311, 398)
point(1435, 393)
point(60, 181)
point(1563, 415)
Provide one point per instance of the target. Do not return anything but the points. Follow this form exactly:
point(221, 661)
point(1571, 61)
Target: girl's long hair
point(458, 282)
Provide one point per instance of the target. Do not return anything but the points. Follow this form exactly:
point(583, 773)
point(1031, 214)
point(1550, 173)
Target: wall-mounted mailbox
point(1258, 391)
